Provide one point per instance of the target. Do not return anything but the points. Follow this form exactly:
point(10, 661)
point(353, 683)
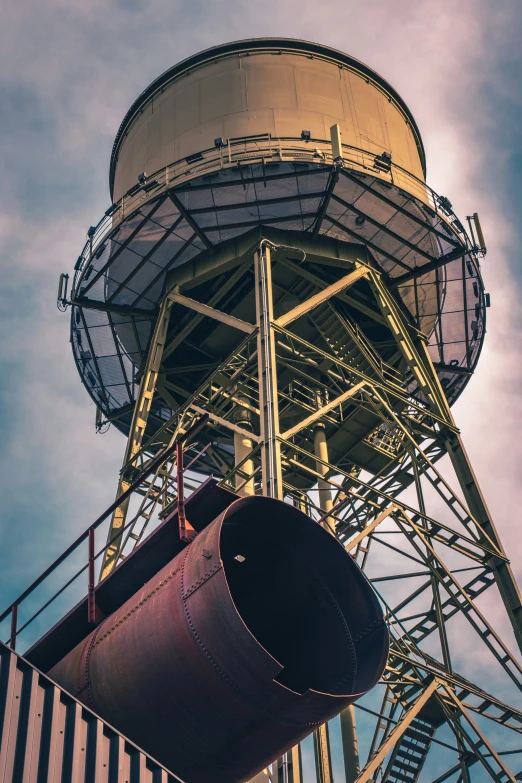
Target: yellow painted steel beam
point(137, 431)
point(211, 312)
point(267, 374)
point(318, 414)
point(323, 296)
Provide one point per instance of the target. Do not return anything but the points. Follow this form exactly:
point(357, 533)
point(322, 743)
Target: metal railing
point(89, 535)
point(261, 149)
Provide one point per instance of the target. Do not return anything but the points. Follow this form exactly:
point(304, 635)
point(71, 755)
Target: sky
point(69, 70)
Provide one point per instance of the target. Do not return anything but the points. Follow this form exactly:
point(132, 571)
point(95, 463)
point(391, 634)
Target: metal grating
point(411, 233)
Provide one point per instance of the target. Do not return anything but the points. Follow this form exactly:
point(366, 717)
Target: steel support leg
point(137, 431)
point(268, 403)
point(504, 577)
point(325, 493)
point(323, 761)
point(321, 737)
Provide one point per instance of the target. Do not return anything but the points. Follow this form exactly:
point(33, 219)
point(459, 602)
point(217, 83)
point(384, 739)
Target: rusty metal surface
point(255, 634)
point(146, 560)
point(46, 736)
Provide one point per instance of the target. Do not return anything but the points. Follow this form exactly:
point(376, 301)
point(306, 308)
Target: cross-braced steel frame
point(369, 448)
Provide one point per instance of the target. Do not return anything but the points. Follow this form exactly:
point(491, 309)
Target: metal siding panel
point(116, 756)
point(34, 741)
point(270, 86)
point(96, 753)
point(138, 768)
point(13, 688)
point(72, 744)
point(54, 717)
point(221, 94)
point(319, 91)
point(26, 726)
point(46, 736)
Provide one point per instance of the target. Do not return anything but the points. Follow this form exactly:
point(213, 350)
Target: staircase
point(409, 755)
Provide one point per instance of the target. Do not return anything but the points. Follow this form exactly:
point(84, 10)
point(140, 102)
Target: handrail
point(156, 463)
point(261, 148)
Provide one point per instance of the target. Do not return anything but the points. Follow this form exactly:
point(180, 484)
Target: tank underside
point(423, 253)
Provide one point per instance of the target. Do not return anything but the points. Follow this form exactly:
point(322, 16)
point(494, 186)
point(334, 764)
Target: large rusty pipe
point(248, 640)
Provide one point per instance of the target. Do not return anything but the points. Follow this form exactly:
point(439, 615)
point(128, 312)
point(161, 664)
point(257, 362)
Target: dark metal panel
point(46, 736)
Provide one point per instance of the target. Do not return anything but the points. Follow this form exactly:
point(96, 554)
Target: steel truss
point(426, 541)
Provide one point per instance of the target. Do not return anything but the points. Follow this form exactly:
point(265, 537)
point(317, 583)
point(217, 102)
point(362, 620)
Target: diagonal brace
point(211, 312)
point(323, 296)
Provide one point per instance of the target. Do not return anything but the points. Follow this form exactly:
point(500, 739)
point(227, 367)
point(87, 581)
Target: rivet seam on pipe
point(216, 666)
point(202, 579)
point(85, 682)
point(369, 628)
point(140, 603)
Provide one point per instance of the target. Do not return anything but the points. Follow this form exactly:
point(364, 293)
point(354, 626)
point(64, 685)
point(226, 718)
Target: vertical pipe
point(347, 717)
point(182, 519)
point(350, 744)
point(323, 762)
point(295, 771)
point(321, 452)
point(242, 448)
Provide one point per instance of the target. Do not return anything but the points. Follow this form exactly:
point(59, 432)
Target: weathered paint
point(258, 87)
point(216, 666)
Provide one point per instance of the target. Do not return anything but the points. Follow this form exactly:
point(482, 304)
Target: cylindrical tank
point(254, 635)
point(274, 86)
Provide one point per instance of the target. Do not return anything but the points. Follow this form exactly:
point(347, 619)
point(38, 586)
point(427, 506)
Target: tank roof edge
point(258, 44)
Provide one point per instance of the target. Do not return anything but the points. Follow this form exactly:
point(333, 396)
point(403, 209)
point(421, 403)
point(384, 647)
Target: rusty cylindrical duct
point(255, 634)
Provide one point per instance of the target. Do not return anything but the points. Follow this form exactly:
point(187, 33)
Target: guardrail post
point(91, 598)
point(14, 623)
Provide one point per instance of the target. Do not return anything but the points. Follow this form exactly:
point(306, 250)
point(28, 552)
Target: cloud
point(70, 71)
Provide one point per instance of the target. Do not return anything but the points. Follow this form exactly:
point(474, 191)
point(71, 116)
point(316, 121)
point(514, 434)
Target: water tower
point(275, 271)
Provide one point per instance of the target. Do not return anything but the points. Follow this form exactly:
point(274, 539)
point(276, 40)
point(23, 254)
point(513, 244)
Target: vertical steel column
point(137, 431)
point(14, 626)
point(271, 472)
point(295, 774)
point(91, 597)
point(323, 760)
point(347, 717)
point(268, 402)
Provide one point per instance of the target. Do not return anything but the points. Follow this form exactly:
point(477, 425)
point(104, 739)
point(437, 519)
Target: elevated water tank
point(279, 87)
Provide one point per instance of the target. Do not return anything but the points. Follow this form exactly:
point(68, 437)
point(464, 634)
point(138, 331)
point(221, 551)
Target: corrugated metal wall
point(46, 736)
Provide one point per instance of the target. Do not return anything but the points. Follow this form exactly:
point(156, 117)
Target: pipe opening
point(303, 598)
